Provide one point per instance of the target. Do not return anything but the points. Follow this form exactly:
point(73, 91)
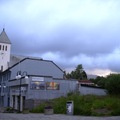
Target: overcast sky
point(69, 32)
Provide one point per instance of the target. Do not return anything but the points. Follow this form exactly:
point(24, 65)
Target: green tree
point(100, 81)
point(112, 84)
point(84, 75)
point(78, 73)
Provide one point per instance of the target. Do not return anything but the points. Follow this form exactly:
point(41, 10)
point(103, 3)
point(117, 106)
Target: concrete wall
point(85, 90)
point(36, 97)
point(65, 87)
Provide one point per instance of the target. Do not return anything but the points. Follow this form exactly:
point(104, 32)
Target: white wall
point(85, 90)
point(5, 56)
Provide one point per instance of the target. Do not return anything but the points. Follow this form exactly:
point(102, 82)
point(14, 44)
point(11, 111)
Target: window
point(1, 68)
point(37, 85)
point(0, 47)
point(5, 48)
point(52, 86)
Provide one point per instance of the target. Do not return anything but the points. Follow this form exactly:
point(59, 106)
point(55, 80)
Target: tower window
point(1, 68)
point(6, 48)
point(3, 47)
point(0, 47)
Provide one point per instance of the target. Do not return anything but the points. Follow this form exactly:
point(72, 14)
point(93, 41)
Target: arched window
point(5, 48)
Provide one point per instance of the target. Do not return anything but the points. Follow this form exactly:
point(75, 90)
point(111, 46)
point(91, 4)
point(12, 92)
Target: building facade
point(29, 79)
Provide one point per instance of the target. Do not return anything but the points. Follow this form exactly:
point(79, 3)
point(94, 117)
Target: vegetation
point(111, 83)
point(88, 105)
point(100, 81)
point(78, 73)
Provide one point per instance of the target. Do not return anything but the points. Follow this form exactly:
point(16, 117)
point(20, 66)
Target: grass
point(88, 105)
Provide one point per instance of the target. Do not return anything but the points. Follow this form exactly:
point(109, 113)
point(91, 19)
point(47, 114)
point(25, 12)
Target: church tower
point(5, 49)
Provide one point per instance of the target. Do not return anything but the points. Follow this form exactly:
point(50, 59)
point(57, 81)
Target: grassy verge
point(88, 105)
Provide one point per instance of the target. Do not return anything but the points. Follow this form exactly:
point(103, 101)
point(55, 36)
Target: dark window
point(1, 68)
point(6, 48)
point(3, 47)
point(36, 85)
point(0, 47)
point(52, 86)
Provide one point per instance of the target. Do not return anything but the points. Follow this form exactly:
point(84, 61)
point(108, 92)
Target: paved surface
point(17, 116)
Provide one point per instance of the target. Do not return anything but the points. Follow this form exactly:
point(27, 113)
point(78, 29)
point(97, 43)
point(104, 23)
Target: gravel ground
point(17, 116)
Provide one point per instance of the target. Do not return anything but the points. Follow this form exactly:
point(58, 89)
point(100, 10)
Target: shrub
point(86, 105)
point(38, 109)
point(60, 105)
point(113, 84)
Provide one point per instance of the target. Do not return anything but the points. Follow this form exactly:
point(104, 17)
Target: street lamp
point(19, 76)
point(2, 87)
point(2, 90)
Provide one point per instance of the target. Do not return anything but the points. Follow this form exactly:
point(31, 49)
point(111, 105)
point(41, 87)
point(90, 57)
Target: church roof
point(15, 59)
point(4, 38)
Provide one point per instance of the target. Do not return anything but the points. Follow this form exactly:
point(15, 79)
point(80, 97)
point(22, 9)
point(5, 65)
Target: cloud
point(67, 32)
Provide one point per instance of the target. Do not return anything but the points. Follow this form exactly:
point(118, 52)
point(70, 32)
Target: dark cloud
point(69, 34)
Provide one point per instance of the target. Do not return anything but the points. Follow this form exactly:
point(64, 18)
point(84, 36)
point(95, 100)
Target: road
point(20, 116)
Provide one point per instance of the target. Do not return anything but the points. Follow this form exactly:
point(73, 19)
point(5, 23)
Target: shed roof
point(36, 67)
point(35, 59)
point(85, 81)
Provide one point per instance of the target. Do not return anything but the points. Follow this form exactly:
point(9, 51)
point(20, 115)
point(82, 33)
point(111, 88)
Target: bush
point(86, 105)
point(109, 105)
point(38, 109)
point(60, 105)
point(113, 84)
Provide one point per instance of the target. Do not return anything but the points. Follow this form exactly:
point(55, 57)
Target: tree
point(78, 73)
point(112, 84)
point(100, 81)
point(84, 75)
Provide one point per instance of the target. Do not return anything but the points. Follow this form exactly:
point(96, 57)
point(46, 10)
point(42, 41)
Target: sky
point(68, 32)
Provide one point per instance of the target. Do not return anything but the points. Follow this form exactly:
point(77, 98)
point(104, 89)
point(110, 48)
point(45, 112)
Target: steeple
point(5, 49)
point(4, 38)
